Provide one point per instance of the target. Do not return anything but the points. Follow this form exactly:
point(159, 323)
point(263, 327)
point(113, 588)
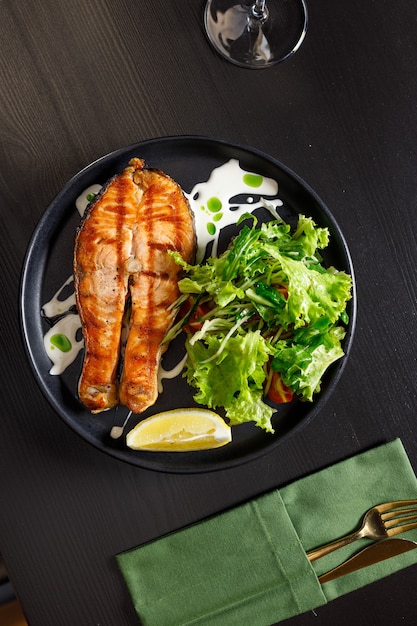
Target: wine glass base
point(252, 43)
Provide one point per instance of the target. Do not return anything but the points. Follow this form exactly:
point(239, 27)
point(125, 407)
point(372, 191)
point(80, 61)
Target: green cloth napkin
point(248, 564)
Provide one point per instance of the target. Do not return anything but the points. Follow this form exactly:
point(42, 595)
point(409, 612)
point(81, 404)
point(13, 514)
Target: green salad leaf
point(267, 304)
point(232, 377)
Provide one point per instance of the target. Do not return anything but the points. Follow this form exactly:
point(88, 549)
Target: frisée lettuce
point(265, 307)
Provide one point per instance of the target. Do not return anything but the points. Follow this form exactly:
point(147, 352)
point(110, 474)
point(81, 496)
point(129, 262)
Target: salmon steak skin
point(121, 262)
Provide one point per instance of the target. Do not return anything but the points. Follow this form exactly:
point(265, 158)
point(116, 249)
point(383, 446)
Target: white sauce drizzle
point(117, 431)
point(68, 326)
point(55, 306)
point(82, 201)
point(225, 182)
point(172, 373)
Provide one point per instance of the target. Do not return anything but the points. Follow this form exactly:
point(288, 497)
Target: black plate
point(48, 264)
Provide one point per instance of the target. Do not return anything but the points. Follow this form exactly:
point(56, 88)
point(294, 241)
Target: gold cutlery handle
point(379, 551)
point(381, 521)
point(317, 553)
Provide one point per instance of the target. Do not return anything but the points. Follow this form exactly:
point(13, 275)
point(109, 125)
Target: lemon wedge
point(180, 430)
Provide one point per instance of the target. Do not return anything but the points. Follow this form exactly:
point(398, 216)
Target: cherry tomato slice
point(278, 392)
point(194, 322)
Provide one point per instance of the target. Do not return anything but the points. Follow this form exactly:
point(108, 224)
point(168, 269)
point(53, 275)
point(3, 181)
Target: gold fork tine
point(398, 530)
point(397, 504)
point(406, 516)
point(381, 521)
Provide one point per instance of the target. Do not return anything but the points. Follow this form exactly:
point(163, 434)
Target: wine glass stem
point(259, 10)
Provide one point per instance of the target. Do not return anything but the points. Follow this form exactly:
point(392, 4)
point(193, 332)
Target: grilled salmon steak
point(121, 262)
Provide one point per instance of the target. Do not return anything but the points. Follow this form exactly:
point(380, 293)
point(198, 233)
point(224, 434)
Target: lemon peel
point(180, 430)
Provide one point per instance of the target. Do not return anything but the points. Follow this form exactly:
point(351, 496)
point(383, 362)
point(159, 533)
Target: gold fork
point(381, 521)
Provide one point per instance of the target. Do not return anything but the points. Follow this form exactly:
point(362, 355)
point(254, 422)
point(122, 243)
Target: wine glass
point(251, 34)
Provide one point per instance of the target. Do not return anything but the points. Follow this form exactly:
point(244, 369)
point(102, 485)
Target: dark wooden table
point(79, 80)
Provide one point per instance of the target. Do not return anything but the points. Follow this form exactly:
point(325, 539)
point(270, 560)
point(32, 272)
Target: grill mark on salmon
point(121, 254)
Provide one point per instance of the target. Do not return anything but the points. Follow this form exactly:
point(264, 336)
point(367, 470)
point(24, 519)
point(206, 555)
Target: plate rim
point(154, 463)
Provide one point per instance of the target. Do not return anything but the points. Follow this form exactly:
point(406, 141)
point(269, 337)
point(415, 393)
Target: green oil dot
point(61, 342)
point(211, 229)
point(253, 180)
point(214, 204)
point(217, 217)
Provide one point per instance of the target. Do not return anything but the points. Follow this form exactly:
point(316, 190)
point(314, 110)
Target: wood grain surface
point(81, 79)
